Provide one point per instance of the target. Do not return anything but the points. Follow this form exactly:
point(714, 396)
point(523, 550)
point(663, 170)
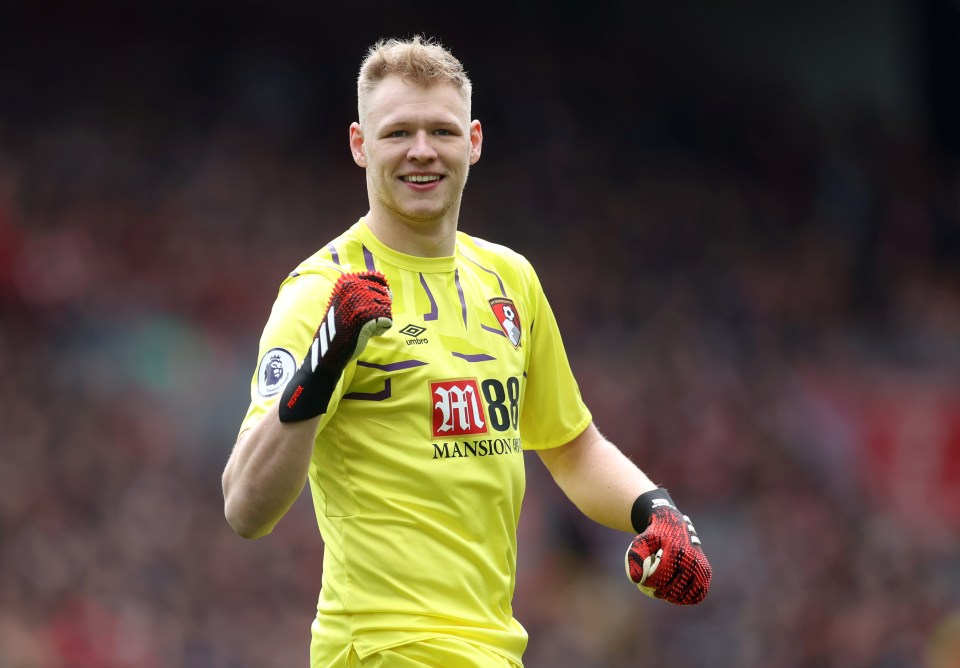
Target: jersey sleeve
point(294, 318)
point(553, 412)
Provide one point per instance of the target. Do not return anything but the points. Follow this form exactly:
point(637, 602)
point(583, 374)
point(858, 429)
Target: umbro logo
point(413, 331)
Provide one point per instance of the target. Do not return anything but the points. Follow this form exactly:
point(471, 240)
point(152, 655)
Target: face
point(417, 144)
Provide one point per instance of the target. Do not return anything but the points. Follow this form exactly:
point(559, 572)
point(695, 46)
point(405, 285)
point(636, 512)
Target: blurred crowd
point(762, 309)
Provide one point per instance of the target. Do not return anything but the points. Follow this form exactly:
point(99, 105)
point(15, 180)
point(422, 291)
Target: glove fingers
point(702, 574)
point(359, 302)
point(690, 579)
point(690, 592)
point(694, 593)
point(372, 277)
point(671, 574)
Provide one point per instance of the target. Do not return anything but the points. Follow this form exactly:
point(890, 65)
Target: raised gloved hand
point(665, 560)
point(358, 309)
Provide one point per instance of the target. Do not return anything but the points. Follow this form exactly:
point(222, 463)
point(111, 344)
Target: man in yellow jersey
point(404, 369)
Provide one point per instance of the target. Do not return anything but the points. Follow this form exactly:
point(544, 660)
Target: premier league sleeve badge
point(276, 368)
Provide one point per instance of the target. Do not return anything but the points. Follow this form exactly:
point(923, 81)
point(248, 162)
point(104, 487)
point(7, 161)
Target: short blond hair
point(418, 60)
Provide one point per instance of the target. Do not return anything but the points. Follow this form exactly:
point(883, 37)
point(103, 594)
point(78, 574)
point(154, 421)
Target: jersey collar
point(425, 265)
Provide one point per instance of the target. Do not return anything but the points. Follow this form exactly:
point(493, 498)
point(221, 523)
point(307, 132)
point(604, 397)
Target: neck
point(418, 238)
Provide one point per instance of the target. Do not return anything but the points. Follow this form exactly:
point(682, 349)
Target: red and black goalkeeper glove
point(665, 560)
point(358, 309)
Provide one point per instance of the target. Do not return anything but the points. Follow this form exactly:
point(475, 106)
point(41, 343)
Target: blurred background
point(747, 218)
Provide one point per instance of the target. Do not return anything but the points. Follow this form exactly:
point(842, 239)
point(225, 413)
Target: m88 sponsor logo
point(465, 406)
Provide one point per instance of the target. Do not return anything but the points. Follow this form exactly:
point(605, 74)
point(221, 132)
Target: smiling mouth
point(421, 178)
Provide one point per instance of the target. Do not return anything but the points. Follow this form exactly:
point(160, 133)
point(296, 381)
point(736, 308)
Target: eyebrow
point(447, 118)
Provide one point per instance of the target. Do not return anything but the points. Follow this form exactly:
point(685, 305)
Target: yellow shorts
point(432, 653)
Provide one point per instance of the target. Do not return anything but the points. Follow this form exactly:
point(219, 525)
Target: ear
point(476, 141)
point(356, 145)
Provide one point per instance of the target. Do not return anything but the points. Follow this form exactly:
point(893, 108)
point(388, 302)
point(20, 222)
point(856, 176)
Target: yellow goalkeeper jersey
point(417, 474)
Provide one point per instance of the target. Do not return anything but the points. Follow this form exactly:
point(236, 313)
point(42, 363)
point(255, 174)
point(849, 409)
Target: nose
point(421, 150)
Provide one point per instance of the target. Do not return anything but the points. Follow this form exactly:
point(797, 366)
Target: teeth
point(416, 178)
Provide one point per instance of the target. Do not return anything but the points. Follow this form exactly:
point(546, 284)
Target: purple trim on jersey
point(371, 396)
point(493, 330)
point(524, 374)
point(432, 315)
point(395, 366)
point(463, 303)
point(333, 254)
point(479, 357)
point(503, 291)
point(368, 259)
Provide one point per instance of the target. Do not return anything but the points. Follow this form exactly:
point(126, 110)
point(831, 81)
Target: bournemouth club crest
point(508, 318)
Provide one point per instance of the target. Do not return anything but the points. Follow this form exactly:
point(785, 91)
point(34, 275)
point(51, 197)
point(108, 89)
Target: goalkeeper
point(403, 370)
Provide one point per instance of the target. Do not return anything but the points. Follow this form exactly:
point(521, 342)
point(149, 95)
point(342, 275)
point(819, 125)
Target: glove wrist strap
point(308, 394)
point(644, 505)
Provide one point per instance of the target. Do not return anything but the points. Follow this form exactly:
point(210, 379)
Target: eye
point(398, 133)
point(443, 133)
